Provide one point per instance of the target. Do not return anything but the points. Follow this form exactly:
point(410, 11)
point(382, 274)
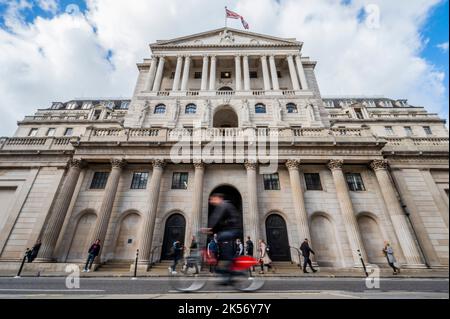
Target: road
point(313, 288)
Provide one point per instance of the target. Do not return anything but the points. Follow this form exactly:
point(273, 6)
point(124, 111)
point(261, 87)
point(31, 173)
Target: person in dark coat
point(306, 251)
point(32, 254)
point(93, 252)
point(213, 253)
point(177, 250)
point(249, 249)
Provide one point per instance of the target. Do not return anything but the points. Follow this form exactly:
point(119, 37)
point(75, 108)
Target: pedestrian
point(239, 248)
point(264, 259)
point(93, 252)
point(306, 251)
point(177, 253)
point(32, 254)
point(212, 252)
point(249, 249)
point(389, 253)
point(194, 246)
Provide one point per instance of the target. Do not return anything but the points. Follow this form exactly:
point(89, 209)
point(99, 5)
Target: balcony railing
point(36, 143)
point(417, 144)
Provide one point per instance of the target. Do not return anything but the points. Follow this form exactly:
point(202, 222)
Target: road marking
point(55, 290)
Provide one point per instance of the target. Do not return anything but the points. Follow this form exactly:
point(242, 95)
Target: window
point(180, 180)
point(191, 109)
point(110, 104)
point(253, 75)
point(260, 108)
point(139, 180)
point(71, 106)
point(225, 75)
point(33, 132)
point(355, 182)
point(99, 180)
point(51, 131)
point(172, 75)
point(271, 182)
point(197, 75)
point(408, 131)
point(124, 105)
point(359, 114)
point(313, 182)
point(389, 130)
point(291, 108)
point(96, 115)
point(428, 130)
point(68, 132)
point(87, 105)
point(278, 74)
point(57, 106)
point(160, 109)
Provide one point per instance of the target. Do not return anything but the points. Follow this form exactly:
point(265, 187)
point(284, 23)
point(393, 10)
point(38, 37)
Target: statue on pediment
point(226, 36)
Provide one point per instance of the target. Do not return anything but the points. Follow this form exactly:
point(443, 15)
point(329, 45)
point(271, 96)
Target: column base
point(414, 266)
point(45, 260)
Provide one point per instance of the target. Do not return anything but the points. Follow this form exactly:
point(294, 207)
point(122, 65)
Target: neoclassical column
point(176, 79)
point(246, 73)
point(151, 74)
point(273, 72)
point(293, 73)
point(398, 218)
point(148, 224)
point(159, 74)
point(59, 212)
point(104, 213)
point(265, 71)
point(187, 66)
point(299, 202)
point(197, 201)
point(204, 85)
point(252, 199)
point(212, 75)
point(345, 203)
point(301, 72)
point(237, 63)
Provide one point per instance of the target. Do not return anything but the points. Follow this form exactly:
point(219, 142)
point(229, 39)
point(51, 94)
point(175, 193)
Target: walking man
point(306, 251)
point(249, 248)
point(93, 252)
point(177, 250)
point(213, 253)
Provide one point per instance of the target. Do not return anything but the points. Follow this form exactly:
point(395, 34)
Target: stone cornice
point(379, 165)
point(335, 164)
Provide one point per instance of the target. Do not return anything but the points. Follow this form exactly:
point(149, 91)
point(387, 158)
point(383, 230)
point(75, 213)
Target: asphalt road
point(123, 287)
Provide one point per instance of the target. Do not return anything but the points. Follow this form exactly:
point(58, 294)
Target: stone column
point(293, 73)
point(197, 202)
point(301, 72)
point(212, 75)
point(187, 66)
point(299, 201)
point(176, 78)
point(237, 63)
point(151, 74)
point(345, 203)
point(265, 71)
point(246, 73)
point(273, 71)
point(58, 212)
point(104, 214)
point(398, 217)
point(159, 74)
point(253, 211)
point(204, 85)
point(148, 224)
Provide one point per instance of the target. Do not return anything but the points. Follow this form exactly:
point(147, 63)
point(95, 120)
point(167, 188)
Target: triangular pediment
point(226, 37)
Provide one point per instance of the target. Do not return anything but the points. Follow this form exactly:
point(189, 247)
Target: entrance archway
point(230, 194)
point(277, 238)
point(225, 117)
point(174, 230)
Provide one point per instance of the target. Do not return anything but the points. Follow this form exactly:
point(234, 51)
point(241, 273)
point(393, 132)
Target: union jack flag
point(234, 15)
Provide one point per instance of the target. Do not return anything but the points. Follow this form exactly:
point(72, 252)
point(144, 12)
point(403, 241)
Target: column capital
point(237, 56)
point(251, 165)
point(180, 56)
point(293, 164)
point(379, 165)
point(199, 165)
point(205, 56)
point(158, 163)
point(118, 163)
point(335, 164)
point(213, 56)
point(77, 163)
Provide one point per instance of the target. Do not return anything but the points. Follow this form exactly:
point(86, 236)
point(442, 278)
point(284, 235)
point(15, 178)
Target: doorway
point(277, 238)
point(174, 230)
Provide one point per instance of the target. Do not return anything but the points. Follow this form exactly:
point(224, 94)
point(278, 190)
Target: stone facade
point(230, 84)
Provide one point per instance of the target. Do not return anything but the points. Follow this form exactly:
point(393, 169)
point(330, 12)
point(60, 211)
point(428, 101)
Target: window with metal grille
point(197, 75)
point(253, 75)
point(260, 108)
point(180, 180)
point(355, 182)
point(139, 180)
point(312, 181)
point(160, 109)
point(191, 109)
point(428, 130)
point(271, 182)
point(99, 180)
point(291, 108)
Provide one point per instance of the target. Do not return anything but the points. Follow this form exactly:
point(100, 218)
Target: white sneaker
point(88, 270)
point(174, 273)
point(84, 270)
point(170, 269)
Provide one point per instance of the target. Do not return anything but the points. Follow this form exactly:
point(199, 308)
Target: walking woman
point(389, 253)
point(264, 259)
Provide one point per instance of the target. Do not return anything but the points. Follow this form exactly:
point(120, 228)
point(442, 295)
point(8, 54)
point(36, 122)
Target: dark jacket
point(249, 248)
point(35, 250)
point(306, 250)
point(194, 245)
point(177, 249)
point(225, 217)
point(94, 250)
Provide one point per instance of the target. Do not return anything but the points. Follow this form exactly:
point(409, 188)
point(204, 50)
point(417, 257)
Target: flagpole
point(226, 20)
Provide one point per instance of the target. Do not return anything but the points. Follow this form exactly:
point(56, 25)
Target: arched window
point(291, 108)
point(191, 108)
point(160, 109)
point(260, 108)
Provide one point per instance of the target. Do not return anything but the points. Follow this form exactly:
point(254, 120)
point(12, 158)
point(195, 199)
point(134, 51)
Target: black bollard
point(363, 264)
point(136, 263)
point(23, 262)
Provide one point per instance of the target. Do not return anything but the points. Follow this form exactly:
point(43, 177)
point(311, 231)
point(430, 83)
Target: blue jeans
point(176, 258)
point(89, 261)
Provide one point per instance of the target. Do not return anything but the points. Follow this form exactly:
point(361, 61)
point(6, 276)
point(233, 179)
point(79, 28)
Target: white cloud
point(443, 46)
point(48, 5)
point(62, 57)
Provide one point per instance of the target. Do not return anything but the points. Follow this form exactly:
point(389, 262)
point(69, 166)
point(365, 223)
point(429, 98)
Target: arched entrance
point(324, 240)
point(277, 238)
point(126, 243)
point(174, 230)
point(82, 236)
point(230, 194)
point(372, 238)
point(225, 117)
